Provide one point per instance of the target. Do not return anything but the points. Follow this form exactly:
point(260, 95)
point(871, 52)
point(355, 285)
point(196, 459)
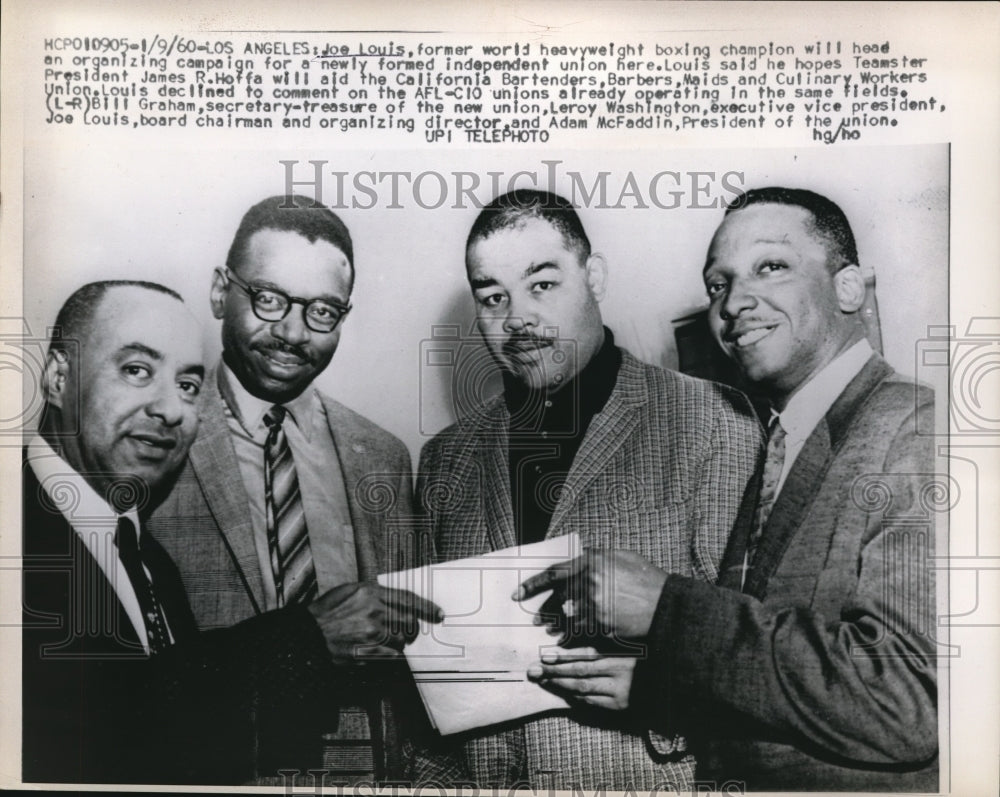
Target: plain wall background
point(169, 216)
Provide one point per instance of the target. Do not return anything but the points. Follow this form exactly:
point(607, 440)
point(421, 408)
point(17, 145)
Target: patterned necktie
point(131, 558)
point(287, 536)
point(773, 463)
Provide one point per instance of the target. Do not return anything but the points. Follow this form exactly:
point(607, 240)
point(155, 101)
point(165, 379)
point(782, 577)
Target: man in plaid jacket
point(587, 439)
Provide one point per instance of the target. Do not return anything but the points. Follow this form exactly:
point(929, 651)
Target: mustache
point(524, 342)
point(285, 348)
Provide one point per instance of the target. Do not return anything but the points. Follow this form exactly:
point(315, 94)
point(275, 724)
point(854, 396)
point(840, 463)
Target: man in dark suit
point(287, 492)
point(118, 685)
point(811, 665)
point(584, 438)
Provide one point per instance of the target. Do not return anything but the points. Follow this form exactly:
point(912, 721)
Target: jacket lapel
point(790, 508)
point(607, 433)
point(731, 568)
point(49, 538)
point(493, 438)
point(355, 464)
point(842, 413)
point(214, 462)
point(806, 475)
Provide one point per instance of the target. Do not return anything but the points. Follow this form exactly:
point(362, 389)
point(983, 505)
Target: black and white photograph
point(537, 401)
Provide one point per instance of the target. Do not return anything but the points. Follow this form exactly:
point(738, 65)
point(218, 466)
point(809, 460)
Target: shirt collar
point(813, 400)
point(249, 409)
point(78, 502)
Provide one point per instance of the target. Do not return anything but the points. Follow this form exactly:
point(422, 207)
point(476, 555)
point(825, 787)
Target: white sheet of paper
point(471, 668)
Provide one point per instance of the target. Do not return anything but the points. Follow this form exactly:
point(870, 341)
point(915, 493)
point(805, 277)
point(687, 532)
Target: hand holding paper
point(471, 669)
point(586, 675)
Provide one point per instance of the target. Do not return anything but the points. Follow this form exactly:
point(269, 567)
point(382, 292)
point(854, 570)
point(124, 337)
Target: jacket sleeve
point(860, 685)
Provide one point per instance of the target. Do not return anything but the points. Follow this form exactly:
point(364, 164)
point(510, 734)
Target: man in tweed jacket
point(811, 666)
point(586, 439)
point(354, 478)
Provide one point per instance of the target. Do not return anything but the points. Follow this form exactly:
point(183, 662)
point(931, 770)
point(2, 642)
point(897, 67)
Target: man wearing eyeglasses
point(274, 506)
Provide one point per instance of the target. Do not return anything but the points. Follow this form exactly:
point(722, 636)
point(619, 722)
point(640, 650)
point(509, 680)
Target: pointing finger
point(549, 578)
point(405, 601)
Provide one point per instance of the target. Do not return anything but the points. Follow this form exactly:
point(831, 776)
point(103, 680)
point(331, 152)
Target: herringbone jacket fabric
point(661, 471)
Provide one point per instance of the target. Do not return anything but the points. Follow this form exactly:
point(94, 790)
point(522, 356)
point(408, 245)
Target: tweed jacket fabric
point(661, 471)
point(204, 524)
point(97, 709)
point(821, 675)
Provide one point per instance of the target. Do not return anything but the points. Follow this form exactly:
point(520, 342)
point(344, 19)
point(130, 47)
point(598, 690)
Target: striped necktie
point(774, 461)
point(287, 536)
point(126, 540)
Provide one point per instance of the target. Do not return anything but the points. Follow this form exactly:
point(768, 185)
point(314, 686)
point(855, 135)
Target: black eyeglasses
point(321, 315)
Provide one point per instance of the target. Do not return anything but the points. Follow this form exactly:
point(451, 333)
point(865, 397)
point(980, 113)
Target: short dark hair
point(514, 208)
point(828, 221)
point(77, 313)
point(291, 213)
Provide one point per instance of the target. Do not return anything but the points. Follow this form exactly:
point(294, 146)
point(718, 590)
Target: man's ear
point(850, 286)
point(55, 379)
point(597, 274)
point(218, 294)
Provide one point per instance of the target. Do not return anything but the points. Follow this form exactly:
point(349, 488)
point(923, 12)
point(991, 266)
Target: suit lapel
point(355, 464)
point(213, 460)
point(50, 546)
point(801, 486)
point(844, 409)
point(493, 438)
point(607, 433)
point(731, 568)
point(806, 475)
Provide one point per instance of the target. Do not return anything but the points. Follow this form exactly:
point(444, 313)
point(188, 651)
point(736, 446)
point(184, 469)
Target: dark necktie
point(287, 536)
point(130, 555)
point(773, 463)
